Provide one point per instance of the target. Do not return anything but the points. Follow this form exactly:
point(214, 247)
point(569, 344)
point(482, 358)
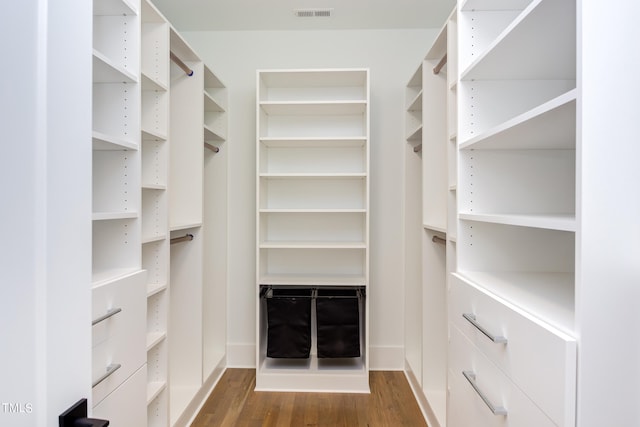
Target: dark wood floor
point(233, 403)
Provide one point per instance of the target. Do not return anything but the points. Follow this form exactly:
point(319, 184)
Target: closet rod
point(417, 148)
point(437, 68)
point(437, 239)
point(211, 147)
point(268, 293)
point(181, 64)
point(185, 238)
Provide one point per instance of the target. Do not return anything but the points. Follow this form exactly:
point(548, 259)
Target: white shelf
point(312, 280)
point(210, 104)
point(104, 142)
point(185, 226)
point(152, 239)
point(154, 187)
point(416, 103)
point(151, 84)
point(531, 53)
point(545, 296)
point(415, 136)
point(312, 245)
point(152, 135)
point(435, 227)
point(212, 135)
point(298, 176)
point(314, 365)
point(328, 211)
point(356, 141)
point(155, 288)
point(154, 389)
point(560, 222)
point(547, 126)
point(155, 338)
point(150, 14)
point(302, 108)
point(101, 277)
point(107, 216)
point(105, 71)
point(305, 78)
point(494, 4)
point(113, 7)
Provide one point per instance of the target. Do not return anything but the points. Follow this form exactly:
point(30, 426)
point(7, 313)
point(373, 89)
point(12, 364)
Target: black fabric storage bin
point(338, 323)
point(289, 323)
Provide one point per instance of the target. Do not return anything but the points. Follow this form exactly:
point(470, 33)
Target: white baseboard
point(386, 358)
point(241, 356)
point(425, 407)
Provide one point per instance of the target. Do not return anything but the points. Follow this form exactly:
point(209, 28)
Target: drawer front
point(127, 405)
point(121, 338)
point(466, 406)
point(539, 359)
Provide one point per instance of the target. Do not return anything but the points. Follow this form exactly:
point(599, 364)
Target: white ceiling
point(203, 15)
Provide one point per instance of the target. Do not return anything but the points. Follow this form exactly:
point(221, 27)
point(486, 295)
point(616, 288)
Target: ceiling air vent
point(312, 13)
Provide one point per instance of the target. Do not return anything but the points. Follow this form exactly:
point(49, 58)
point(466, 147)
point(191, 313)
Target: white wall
point(45, 220)
point(392, 56)
point(608, 246)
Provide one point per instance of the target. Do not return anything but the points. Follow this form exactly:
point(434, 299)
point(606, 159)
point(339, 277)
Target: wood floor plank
point(234, 403)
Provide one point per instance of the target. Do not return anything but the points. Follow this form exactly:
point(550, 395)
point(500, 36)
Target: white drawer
point(538, 358)
point(127, 405)
point(121, 338)
point(466, 406)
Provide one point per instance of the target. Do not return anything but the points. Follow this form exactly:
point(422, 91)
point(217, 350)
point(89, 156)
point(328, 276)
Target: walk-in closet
point(366, 212)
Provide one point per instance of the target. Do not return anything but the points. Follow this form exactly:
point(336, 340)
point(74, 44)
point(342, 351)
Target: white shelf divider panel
point(313, 202)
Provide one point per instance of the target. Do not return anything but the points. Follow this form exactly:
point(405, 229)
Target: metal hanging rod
point(185, 238)
point(437, 239)
point(181, 64)
point(417, 148)
point(211, 147)
point(441, 64)
point(267, 292)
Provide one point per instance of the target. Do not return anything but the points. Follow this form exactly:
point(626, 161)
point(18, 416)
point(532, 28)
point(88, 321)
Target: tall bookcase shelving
point(155, 202)
point(313, 212)
point(158, 132)
point(516, 232)
point(427, 244)
point(118, 283)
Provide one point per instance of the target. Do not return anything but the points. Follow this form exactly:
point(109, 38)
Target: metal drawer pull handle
point(105, 316)
point(495, 338)
point(471, 377)
point(110, 370)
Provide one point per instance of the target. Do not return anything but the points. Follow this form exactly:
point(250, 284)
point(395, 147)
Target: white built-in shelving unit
point(118, 284)
point(313, 209)
point(197, 227)
point(159, 173)
point(155, 206)
point(428, 195)
point(516, 231)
